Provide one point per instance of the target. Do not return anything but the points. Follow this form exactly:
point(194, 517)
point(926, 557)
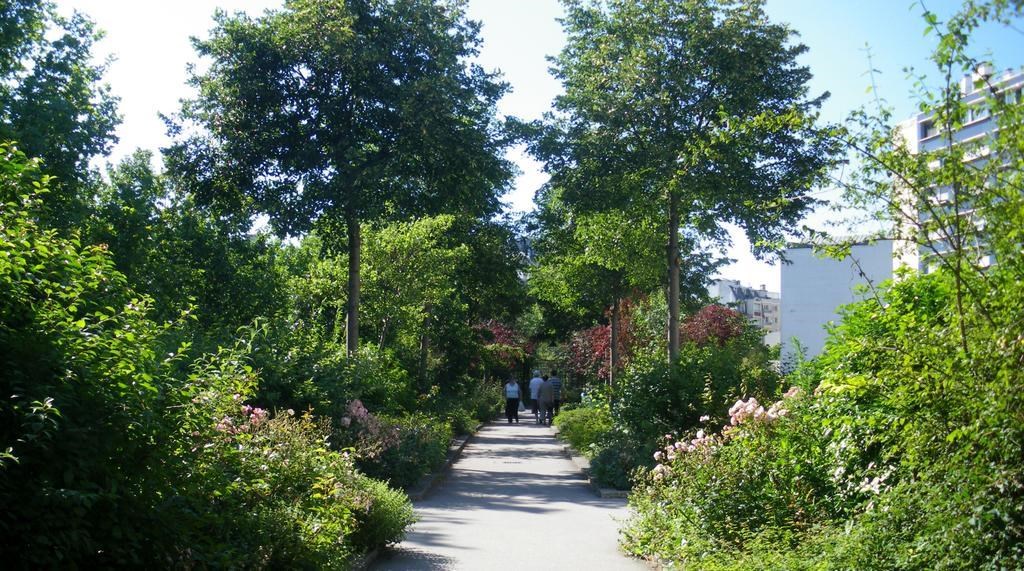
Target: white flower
point(736, 407)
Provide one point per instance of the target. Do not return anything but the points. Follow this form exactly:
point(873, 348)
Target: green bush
point(462, 421)
point(422, 446)
point(585, 426)
point(398, 450)
point(117, 449)
point(483, 399)
point(271, 494)
point(385, 518)
point(655, 398)
point(616, 458)
point(906, 457)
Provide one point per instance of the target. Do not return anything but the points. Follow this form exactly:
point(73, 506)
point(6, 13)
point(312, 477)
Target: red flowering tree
point(505, 349)
point(589, 351)
point(714, 324)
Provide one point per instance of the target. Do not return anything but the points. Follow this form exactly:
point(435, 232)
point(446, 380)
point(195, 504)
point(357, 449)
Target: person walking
point(512, 400)
point(535, 384)
point(556, 387)
point(546, 395)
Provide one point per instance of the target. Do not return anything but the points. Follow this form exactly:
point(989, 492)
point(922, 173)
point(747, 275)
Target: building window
point(977, 112)
point(928, 129)
point(1010, 97)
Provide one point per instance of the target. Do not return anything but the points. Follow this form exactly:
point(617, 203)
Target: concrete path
point(513, 501)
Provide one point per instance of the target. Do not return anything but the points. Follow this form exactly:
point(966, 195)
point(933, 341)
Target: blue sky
point(149, 39)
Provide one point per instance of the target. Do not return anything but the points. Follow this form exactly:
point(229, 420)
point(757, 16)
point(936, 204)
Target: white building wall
point(814, 288)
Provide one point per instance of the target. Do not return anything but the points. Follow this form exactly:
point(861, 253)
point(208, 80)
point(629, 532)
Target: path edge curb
point(583, 465)
point(427, 484)
point(423, 488)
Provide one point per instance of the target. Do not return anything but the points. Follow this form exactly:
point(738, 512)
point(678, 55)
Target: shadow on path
point(513, 499)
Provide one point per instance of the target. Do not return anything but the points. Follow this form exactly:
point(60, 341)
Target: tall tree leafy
point(52, 102)
point(409, 273)
point(173, 250)
point(696, 109)
point(332, 112)
point(588, 263)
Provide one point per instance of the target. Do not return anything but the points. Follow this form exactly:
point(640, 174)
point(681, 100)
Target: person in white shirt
point(512, 400)
point(535, 384)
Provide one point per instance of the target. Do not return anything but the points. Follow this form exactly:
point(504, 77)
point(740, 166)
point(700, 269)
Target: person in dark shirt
point(556, 387)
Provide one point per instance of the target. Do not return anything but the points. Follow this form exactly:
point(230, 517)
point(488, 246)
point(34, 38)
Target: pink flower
point(659, 471)
point(225, 425)
point(346, 421)
point(736, 407)
point(705, 418)
point(258, 416)
point(792, 392)
point(657, 456)
point(356, 410)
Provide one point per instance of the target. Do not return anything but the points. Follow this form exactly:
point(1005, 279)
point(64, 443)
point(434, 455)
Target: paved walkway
point(513, 501)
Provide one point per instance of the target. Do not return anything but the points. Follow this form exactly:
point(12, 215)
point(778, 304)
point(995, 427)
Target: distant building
point(813, 289)
point(759, 305)
point(921, 134)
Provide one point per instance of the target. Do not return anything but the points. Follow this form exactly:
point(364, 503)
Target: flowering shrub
point(282, 498)
point(714, 324)
point(868, 470)
point(655, 398)
point(399, 450)
point(120, 448)
point(714, 487)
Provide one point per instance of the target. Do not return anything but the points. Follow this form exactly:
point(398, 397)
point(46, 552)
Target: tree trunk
point(352, 319)
point(614, 345)
point(673, 278)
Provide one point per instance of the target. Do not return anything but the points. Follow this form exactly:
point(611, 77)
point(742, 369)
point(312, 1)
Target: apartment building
point(759, 305)
point(921, 135)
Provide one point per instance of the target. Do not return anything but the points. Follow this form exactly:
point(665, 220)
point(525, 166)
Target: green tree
point(587, 263)
point(333, 113)
point(409, 273)
point(174, 250)
point(52, 102)
point(696, 110)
